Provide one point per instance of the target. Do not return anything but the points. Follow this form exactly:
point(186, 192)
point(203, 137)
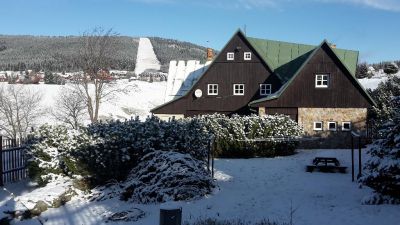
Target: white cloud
point(389, 5)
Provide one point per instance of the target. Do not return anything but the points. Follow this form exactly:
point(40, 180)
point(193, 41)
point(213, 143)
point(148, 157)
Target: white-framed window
point(230, 56)
point(321, 80)
point(318, 125)
point(238, 89)
point(265, 89)
point(332, 126)
point(212, 89)
point(346, 126)
point(247, 56)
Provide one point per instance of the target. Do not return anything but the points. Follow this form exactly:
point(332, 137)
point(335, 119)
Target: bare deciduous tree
point(19, 109)
point(95, 58)
point(70, 107)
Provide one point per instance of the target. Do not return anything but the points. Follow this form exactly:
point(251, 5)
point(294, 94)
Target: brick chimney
point(210, 54)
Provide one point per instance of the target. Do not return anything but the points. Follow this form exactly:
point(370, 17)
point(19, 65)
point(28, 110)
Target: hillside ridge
point(59, 53)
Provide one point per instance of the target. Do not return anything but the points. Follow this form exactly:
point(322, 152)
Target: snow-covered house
point(314, 85)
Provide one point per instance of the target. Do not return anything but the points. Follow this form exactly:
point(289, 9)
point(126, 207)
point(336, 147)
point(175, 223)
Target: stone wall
point(326, 138)
point(331, 139)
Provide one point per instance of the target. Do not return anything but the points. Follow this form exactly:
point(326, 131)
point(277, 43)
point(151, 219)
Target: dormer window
point(247, 56)
point(265, 89)
point(230, 56)
point(321, 80)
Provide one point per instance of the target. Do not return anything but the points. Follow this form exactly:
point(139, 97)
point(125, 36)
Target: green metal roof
point(301, 61)
point(285, 58)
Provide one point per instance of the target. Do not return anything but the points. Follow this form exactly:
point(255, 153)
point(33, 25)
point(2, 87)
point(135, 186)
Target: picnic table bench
point(326, 164)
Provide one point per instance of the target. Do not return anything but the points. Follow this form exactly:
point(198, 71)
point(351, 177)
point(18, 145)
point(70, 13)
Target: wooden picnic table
point(326, 164)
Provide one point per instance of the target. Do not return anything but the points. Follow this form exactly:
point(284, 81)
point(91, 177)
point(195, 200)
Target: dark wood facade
point(342, 92)
point(226, 73)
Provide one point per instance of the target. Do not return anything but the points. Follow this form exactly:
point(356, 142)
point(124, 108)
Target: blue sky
point(370, 26)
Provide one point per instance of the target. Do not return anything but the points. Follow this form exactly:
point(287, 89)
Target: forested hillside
point(21, 52)
point(168, 49)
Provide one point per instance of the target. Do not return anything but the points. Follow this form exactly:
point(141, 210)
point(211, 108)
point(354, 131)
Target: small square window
point(265, 89)
point(230, 56)
point(346, 126)
point(332, 126)
point(318, 125)
point(321, 81)
point(212, 89)
point(238, 89)
point(247, 56)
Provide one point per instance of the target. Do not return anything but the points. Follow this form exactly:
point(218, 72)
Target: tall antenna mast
point(244, 29)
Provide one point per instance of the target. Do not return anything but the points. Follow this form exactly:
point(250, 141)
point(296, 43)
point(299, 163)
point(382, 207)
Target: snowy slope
point(146, 58)
point(375, 80)
point(252, 189)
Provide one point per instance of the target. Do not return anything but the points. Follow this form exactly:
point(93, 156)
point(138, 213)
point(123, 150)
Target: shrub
point(235, 136)
point(49, 148)
point(105, 151)
point(167, 176)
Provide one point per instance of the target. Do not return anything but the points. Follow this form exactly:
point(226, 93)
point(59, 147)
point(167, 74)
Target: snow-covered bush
point(235, 135)
point(105, 151)
point(383, 166)
point(120, 145)
point(49, 152)
point(167, 176)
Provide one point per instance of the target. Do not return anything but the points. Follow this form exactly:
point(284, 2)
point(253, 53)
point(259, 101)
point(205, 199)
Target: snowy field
point(250, 189)
point(138, 99)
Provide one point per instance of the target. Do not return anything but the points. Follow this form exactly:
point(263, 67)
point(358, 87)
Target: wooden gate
point(12, 160)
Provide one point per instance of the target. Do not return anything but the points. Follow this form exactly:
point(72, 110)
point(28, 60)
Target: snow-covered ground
point(146, 58)
point(373, 82)
point(138, 99)
point(252, 189)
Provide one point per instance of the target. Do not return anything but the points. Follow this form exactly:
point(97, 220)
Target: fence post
point(1, 161)
point(212, 158)
point(359, 157)
point(352, 158)
point(208, 155)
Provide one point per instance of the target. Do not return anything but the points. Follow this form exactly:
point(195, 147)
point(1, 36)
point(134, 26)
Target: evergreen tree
point(49, 78)
point(383, 167)
point(362, 70)
point(385, 108)
point(391, 68)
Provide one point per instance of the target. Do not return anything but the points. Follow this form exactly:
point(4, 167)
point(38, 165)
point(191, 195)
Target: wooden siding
point(226, 73)
point(343, 91)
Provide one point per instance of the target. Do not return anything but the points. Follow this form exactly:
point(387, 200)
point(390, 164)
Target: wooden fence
point(12, 160)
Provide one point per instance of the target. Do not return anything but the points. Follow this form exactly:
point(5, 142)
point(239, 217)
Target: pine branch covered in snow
point(383, 166)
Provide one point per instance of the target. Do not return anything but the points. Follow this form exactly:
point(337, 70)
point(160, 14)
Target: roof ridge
point(296, 43)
